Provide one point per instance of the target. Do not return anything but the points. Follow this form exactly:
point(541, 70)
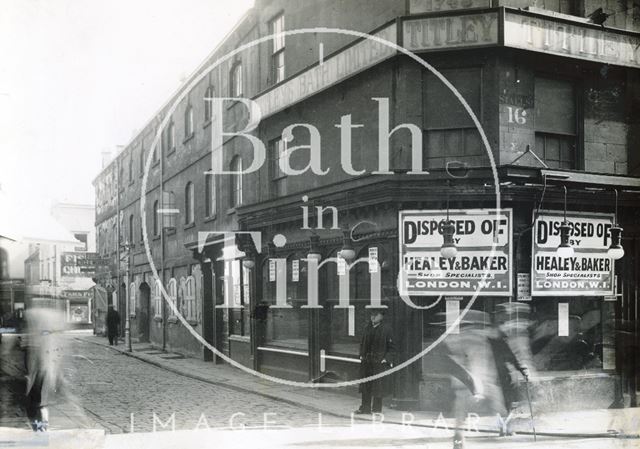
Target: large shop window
point(287, 327)
point(344, 337)
point(449, 131)
point(582, 349)
point(555, 122)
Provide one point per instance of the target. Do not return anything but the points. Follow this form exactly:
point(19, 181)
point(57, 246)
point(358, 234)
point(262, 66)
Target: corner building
point(557, 98)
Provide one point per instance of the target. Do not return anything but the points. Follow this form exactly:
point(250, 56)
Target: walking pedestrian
point(113, 325)
point(376, 352)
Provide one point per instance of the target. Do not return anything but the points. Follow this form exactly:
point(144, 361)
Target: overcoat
point(376, 356)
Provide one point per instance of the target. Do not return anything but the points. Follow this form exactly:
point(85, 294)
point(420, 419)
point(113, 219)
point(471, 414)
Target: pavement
point(622, 423)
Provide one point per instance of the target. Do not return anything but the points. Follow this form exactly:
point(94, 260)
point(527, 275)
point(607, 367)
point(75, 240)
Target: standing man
point(376, 351)
point(113, 325)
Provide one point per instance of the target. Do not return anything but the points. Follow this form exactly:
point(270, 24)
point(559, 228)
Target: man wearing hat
point(376, 350)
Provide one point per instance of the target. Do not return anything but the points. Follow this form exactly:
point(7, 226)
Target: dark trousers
point(113, 339)
point(367, 400)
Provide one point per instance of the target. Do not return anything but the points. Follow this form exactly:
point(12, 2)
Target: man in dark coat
point(376, 351)
point(113, 325)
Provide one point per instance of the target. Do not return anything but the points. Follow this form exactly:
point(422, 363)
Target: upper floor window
point(169, 215)
point(277, 48)
point(156, 228)
point(171, 137)
point(449, 131)
point(189, 204)
point(131, 228)
point(208, 104)
point(277, 150)
point(555, 122)
point(188, 122)
point(236, 81)
point(236, 181)
point(131, 167)
point(141, 160)
point(210, 195)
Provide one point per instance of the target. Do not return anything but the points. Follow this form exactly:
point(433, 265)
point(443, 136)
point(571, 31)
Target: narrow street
point(107, 389)
point(104, 389)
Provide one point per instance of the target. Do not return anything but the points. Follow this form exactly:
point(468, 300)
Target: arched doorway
point(144, 294)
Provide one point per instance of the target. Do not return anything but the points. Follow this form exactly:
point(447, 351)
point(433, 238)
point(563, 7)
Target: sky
point(78, 77)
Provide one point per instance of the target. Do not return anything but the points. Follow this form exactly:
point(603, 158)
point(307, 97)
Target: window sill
point(157, 319)
point(157, 237)
point(170, 231)
point(193, 322)
point(189, 225)
point(188, 138)
point(132, 181)
point(206, 124)
point(210, 218)
point(241, 338)
point(171, 151)
point(132, 315)
point(155, 163)
point(172, 319)
point(231, 211)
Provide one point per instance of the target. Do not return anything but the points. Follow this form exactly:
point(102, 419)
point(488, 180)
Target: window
point(157, 299)
point(210, 195)
point(188, 307)
point(142, 160)
point(81, 237)
point(131, 168)
point(236, 181)
point(277, 150)
point(208, 105)
point(188, 122)
point(555, 122)
point(236, 80)
point(171, 137)
point(131, 227)
point(450, 134)
point(188, 204)
point(169, 217)
point(155, 154)
point(172, 291)
point(156, 229)
point(277, 51)
point(132, 299)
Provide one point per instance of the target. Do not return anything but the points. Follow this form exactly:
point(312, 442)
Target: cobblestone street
point(107, 389)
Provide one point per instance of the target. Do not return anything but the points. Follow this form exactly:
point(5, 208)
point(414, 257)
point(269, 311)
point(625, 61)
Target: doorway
point(144, 312)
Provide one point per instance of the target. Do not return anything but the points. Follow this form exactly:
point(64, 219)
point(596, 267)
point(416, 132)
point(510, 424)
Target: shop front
point(569, 302)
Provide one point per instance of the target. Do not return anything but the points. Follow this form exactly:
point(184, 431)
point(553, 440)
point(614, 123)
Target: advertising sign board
point(589, 272)
point(425, 272)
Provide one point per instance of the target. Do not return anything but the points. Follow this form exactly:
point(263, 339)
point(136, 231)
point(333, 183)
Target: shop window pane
point(287, 327)
point(582, 349)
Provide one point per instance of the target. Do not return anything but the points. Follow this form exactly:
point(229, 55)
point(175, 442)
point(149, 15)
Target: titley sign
point(425, 272)
point(589, 272)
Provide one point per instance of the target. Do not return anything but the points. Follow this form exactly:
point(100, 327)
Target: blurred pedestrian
point(376, 352)
point(113, 325)
point(44, 352)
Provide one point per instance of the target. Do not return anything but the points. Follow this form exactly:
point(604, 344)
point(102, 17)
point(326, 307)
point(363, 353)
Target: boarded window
point(555, 122)
point(449, 129)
